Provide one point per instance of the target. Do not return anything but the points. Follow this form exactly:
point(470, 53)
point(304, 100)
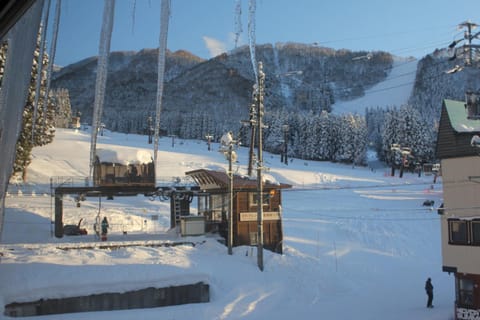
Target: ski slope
point(358, 244)
point(395, 90)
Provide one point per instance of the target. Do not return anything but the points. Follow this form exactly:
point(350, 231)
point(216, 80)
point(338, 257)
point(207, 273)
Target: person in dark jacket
point(104, 226)
point(429, 290)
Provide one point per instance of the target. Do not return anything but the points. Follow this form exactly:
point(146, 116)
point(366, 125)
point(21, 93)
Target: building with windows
point(214, 200)
point(459, 154)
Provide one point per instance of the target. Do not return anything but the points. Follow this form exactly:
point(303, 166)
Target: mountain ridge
point(221, 87)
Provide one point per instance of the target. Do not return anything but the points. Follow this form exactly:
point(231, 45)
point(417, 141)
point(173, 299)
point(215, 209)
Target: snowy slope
point(358, 244)
point(393, 91)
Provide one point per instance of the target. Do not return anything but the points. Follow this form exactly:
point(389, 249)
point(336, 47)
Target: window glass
point(218, 206)
point(465, 292)
point(476, 232)
point(458, 231)
point(253, 199)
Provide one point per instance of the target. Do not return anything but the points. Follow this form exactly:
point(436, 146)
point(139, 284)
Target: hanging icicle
point(133, 15)
point(53, 49)
point(43, 32)
point(251, 37)
point(164, 17)
point(101, 81)
point(238, 21)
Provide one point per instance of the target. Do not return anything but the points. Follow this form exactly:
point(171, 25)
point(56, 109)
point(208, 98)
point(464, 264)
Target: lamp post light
point(102, 128)
point(393, 149)
point(282, 152)
point(405, 152)
point(173, 139)
point(285, 129)
point(209, 138)
point(150, 129)
point(228, 143)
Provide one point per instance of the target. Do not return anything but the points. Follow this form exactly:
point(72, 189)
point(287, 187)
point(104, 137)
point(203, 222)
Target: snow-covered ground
point(358, 244)
point(393, 91)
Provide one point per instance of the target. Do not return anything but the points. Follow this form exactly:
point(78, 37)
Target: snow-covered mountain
point(298, 78)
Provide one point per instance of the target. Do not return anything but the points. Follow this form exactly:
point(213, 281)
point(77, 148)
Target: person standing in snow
point(104, 226)
point(429, 290)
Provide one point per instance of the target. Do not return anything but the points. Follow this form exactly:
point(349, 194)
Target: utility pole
point(260, 111)
point(252, 121)
point(227, 144)
point(230, 209)
point(468, 36)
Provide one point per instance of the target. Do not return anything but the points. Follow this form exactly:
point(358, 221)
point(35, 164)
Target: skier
point(104, 228)
point(429, 290)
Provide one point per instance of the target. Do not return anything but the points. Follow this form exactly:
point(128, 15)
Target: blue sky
point(207, 27)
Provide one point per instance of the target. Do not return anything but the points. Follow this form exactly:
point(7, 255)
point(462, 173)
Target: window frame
point(453, 236)
point(475, 236)
point(465, 296)
point(253, 199)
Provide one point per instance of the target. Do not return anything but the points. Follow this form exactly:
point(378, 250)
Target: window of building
point(253, 199)
point(218, 206)
point(458, 231)
point(475, 226)
point(465, 292)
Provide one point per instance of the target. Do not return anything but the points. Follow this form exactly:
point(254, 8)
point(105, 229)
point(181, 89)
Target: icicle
point(53, 48)
point(21, 39)
point(164, 17)
point(40, 67)
point(101, 81)
point(238, 21)
point(133, 15)
point(251, 37)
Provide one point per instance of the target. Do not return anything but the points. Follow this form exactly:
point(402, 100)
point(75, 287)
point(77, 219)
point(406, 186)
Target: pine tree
point(43, 131)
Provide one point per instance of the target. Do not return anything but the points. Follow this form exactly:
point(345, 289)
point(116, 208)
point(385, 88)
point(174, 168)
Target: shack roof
point(457, 115)
point(456, 131)
point(210, 180)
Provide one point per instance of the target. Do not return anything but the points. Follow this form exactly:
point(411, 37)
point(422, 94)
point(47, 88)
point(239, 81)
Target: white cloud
point(214, 46)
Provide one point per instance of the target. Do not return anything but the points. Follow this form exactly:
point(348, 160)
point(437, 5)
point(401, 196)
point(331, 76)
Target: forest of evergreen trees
point(325, 136)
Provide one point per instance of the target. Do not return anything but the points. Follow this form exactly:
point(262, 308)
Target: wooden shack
point(129, 168)
point(214, 200)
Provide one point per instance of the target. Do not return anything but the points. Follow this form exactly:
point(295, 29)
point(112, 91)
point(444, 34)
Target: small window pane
point(476, 232)
point(458, 231)
point(465, 292)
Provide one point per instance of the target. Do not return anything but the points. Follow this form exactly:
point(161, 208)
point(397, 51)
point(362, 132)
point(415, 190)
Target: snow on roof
point(458, 117)
point(124, 156)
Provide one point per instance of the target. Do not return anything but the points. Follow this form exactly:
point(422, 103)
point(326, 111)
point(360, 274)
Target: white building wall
point(461, 193)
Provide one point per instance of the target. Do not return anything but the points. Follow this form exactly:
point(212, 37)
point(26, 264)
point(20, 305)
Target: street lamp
point(405, 152)
point(285, 129)
point(209, 138)
point(150, 129)
point(228, 143)
point(173, 136)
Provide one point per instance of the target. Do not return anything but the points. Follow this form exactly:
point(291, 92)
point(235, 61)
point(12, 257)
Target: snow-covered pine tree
point(359, 141)
point(44, 129)
point(390, 135)
point(3, 59)
point(417, 134)
point(323, 134)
